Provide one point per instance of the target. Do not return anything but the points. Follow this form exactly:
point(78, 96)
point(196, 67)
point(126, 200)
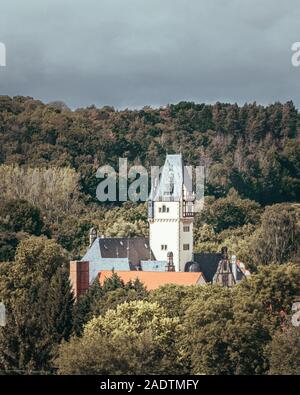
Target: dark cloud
point(130, 53)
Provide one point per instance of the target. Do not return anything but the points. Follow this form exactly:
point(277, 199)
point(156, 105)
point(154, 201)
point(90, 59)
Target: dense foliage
point(48, 161)
point(199, 330)
point(253, 149)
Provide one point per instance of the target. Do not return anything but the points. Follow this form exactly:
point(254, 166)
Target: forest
point(49, 155)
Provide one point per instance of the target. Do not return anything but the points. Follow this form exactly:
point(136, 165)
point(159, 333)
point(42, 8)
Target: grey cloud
point(130, 53)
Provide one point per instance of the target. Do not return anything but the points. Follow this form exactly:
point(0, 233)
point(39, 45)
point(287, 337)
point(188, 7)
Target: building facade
point(171, 213)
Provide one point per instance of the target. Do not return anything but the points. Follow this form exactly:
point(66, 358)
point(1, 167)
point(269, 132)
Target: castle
point(167, 256)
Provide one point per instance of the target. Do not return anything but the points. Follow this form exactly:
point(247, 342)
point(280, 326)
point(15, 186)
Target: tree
point(230, 212)
point(227, 331)
point(204, 337)
point(8, 245)
point(170, 297)
point(99, 299)
point(113, 282)
point(278, 238)
point(59, 308)
point(85, 306)
point(273, 288)
point(20, 216)
point(103, 355)
point(53, 190)
point(135, 337)
point(222, 335)
point(284, 352)
point(37, 294)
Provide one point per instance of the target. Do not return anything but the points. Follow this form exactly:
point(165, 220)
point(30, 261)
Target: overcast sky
point(131, 53)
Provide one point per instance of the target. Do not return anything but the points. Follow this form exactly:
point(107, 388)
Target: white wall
point(166, 228)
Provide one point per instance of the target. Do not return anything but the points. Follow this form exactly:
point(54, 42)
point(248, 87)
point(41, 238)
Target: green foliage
point(98, 300)
point(8, 245)
point(219, 336)
point(103, 355)
point(170, 297)
point(278, 238)
point(59, 308)
point(72, 233)
point(132, 319)
point(18, 220)
point(284, 352)
point(53, 190)
point(229, 212)
point(203, 334)
point(20, 216)
point(273, 288)
point(228, 331)
point(36, 291)
point(49, 157)
point(195, 329)
point(252, 148)
point(135, 338)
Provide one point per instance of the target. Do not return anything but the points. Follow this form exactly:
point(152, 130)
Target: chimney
point(170, 265)
point(92, 235)
point(79, 276)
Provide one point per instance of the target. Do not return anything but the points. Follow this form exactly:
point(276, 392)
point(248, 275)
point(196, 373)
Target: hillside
point(254, 149)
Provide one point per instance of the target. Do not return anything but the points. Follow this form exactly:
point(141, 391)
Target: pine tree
point(83, 309)
point(38, 298)
point(113, 282)
point(59, 308)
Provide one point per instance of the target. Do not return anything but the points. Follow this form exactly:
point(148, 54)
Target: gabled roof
point(170, 180)
point(117, 253)
point(208, 264)
point(133, 248)
point(153, 280)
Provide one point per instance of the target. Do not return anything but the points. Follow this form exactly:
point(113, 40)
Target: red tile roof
point(153, 280)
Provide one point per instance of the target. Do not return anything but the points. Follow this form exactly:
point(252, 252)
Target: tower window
point(164, 247)
point(164, 209)
point(159, 209)
point(186, 247)
point(186, 228)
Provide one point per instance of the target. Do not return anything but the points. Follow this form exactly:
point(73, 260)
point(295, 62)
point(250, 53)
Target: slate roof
point(170, 181)
point(208, 263)
point(153, 280)
point(133, 248)
point(117, 253)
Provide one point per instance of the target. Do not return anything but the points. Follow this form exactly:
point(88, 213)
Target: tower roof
point(170, 181)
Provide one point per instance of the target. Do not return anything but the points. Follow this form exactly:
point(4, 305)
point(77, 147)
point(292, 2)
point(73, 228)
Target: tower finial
point(170, 265)
point(93, 235)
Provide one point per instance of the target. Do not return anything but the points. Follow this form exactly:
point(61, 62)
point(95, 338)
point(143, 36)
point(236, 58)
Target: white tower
point(171, 213)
